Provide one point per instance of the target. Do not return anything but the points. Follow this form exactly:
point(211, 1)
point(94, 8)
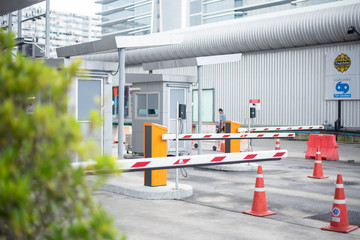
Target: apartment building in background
point(65, 29)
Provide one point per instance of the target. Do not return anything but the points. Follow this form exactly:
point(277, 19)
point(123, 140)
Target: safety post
point(154, 146)
point(233, 145)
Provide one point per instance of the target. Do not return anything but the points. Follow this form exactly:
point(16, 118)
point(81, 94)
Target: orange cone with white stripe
point(259, 206)
point(318, 171)
point(339, 219)
point(277, 144)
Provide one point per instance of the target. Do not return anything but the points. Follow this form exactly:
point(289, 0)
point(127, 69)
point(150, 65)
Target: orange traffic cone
point(277, 144)
point(259, 206)
point(116, 138)
point(318, 171)
point(339, 218)
point(222, 147)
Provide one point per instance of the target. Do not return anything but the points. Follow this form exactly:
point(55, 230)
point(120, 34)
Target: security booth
point(91, 90)
point(154, 100)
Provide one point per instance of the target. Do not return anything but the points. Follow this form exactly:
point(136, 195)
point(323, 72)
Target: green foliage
point(41, 195)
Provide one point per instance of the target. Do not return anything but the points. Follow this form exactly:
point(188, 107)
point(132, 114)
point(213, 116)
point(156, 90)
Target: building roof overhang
point(8, 6)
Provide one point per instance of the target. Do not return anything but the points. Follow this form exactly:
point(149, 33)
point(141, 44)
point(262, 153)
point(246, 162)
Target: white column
point(47, 29)
point(121, 102)
point(19, 23)
point(199, 75)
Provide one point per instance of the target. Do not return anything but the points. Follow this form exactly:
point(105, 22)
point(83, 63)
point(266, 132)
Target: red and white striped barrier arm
point(191, 161)
point(271, 129)
point(223, 136)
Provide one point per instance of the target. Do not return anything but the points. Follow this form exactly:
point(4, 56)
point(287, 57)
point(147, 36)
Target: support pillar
point(47, 29)
point(121, 102)
point(154, 146)
point(199, 73)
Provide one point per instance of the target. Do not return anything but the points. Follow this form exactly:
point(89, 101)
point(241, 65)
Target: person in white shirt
point(222, 119)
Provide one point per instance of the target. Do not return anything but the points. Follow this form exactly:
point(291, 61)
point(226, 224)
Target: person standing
point(222, 119)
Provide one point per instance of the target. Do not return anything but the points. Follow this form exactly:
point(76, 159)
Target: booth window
point(147, 105)
point(89, 93)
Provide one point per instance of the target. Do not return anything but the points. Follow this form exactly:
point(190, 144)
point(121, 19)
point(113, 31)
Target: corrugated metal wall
point(290, 84)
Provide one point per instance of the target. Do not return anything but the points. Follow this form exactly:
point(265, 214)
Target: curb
point(133, 186)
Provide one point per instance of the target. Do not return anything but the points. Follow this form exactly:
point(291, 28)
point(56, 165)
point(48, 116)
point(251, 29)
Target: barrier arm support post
point(233, 145)
point(154, 146)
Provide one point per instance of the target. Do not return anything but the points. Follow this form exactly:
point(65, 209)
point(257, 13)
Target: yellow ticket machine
point(154, 146)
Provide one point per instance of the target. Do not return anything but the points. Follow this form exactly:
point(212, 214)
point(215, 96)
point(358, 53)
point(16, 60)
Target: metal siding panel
point(323, 24)
point(290, 84)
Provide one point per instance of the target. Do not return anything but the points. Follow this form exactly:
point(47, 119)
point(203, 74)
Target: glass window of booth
point(147, 105)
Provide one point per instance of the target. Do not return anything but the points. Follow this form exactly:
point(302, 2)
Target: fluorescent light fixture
point(298, 1)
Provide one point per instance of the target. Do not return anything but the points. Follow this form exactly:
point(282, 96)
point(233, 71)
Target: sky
point(83, 7)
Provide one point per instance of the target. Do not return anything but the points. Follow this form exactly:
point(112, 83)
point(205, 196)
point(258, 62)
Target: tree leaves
point(41, 195)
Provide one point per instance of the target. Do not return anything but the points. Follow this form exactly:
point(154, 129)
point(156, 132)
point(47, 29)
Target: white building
point(65, 28)
point(137, 17)
point(285, 63)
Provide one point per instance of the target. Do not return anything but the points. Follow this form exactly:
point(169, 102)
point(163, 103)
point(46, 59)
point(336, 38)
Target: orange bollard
point(318, 171)
point(339, 219)
point(259, 206)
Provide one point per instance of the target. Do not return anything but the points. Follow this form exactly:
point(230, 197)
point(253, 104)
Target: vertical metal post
point(47, 29)
point(10, 22)
point(339, 112)
point(199, 75)
point(19, 23)
point(249, 141)
point(121, 102)
point(177, 146)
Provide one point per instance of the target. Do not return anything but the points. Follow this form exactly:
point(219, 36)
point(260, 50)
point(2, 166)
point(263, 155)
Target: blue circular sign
point(336, 211)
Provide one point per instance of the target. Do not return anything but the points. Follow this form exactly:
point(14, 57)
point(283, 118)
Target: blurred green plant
point(41, 195)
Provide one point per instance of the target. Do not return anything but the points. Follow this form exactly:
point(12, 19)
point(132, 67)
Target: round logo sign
point(336, 211)
point(342, 62)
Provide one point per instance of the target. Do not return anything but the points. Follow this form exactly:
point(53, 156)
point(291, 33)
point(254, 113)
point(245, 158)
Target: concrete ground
point(215, 209)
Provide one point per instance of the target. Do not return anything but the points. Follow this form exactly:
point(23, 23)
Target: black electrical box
point(337, 125)
point(252, 112)
point(182, 111)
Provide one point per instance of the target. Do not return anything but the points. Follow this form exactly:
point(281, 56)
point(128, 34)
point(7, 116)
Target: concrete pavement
point(214, 211)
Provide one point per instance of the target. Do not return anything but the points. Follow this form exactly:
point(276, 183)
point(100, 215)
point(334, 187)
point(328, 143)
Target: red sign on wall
point(254, 101)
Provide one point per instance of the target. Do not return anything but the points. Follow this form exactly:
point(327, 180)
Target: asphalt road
point(215, 209)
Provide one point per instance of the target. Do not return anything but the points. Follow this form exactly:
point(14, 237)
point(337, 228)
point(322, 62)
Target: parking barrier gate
point(141, 164)
point(286, 128)
point(223, 136)
point(155, 163)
